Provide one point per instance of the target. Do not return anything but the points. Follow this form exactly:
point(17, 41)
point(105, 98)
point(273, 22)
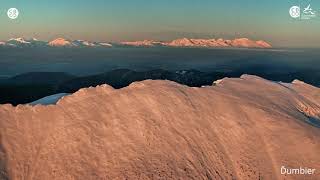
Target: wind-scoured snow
point(243, 128)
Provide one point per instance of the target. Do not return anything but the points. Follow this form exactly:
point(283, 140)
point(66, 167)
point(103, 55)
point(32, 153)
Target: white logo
point(308, 10)
point(13, 13)
point(294, 11)
point(308, 13)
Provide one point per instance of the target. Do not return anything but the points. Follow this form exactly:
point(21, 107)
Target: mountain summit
point(59, 42)
point(17, 42)
point(20, 40)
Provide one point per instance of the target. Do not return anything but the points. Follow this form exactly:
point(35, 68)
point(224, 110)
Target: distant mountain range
point(59, 42)
point(184, 42)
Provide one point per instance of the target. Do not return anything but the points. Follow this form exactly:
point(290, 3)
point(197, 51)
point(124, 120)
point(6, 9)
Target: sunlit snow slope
point(243, 128)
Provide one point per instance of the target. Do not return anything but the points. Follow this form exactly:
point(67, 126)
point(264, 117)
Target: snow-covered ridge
point(58, 42)
point(185, 42)
point(244, 128)
point(144, 43)
point(105, 44)
point(19, 40)
point(61, 42)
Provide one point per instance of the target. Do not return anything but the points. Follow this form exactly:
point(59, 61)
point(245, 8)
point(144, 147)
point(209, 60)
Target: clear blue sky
point(117, 20)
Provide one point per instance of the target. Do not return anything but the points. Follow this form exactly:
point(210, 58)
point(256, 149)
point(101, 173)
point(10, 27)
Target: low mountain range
point(29, 87)
point(184, 42)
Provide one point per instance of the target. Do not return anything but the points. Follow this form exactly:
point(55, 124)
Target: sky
point(127, 20)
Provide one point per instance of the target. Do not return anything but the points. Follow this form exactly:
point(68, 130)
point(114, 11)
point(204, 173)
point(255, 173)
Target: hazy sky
point(118, 20)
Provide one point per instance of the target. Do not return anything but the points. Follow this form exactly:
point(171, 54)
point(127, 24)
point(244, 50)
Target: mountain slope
point(242, 128)
point(52, 99)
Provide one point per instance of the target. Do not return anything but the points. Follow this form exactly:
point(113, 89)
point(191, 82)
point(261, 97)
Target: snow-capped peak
point(105, 44)
point(34, 39)
point(19, 40)
point(84, 43)
point(60, 42)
